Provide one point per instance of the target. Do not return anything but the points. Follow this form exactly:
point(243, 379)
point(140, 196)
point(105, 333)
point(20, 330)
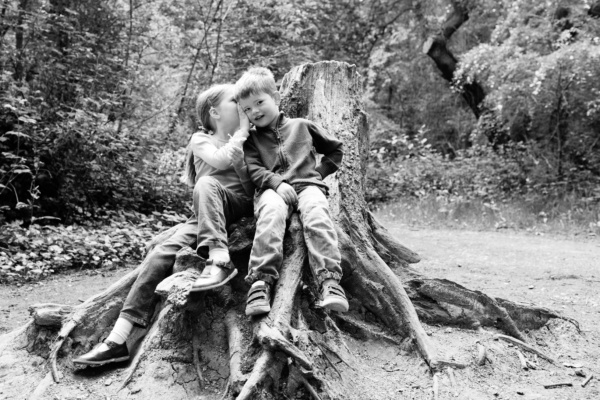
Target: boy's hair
point(254, 81)
point(209, 98)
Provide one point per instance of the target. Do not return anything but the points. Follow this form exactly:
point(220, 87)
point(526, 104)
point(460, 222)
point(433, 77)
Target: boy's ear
point(277, 97)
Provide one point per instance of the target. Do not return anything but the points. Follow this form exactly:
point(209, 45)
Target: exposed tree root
point(527, 347)
point(279, 319)
point(235, 342)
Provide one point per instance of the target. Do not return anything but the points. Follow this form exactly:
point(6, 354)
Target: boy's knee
point(272, 204)
point(313, 205)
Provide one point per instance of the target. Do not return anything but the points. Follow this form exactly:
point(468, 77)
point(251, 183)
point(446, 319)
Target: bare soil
point(554, 272)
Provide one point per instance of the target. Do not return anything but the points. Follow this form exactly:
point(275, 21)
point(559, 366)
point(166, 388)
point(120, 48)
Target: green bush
point(79, 164)
point(401, 166)
point(65, 97)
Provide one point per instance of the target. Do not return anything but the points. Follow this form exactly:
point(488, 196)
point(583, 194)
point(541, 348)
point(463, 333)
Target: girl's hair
point(254, 81)
point(211, 97)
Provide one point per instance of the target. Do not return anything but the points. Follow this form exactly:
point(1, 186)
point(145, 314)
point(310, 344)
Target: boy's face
point(262, 109)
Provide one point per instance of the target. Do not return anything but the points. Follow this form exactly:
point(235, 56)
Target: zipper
point(281, 152)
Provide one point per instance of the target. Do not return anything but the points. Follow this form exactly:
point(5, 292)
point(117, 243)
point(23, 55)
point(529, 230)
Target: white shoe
point(215, 274)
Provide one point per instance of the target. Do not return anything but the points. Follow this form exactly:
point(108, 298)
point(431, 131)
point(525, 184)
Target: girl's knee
point(206, 184)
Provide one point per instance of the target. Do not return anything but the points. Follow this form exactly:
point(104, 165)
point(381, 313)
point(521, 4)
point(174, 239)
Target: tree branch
point(436, 48)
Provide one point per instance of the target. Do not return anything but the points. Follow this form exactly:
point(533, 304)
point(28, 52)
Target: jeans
point(215, 208)
point(320, 236)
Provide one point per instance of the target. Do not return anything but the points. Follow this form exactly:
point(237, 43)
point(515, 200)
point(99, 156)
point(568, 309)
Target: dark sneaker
point(259, 299)
point(115, 353)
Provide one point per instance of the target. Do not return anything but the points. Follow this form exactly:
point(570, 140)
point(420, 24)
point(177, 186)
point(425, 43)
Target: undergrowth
point(480, 188)
point(116, 239)
point(559, 217)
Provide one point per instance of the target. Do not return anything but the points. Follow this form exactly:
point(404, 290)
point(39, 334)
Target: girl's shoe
point(259, 299)
point(333, 296)
point(215, 274)
point(115, 353)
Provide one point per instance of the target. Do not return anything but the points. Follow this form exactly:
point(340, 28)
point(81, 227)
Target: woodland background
point(498, 129)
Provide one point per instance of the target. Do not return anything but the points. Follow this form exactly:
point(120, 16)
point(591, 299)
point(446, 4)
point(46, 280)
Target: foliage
point(96, 99)
point(33, 253)
point(64, 152)
point(404, 166)
point(542, 73)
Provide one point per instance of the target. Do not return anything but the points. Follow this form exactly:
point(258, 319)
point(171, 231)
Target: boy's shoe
point(115, 353)
point(215, 274)
point(259, 299)
point(333, 296)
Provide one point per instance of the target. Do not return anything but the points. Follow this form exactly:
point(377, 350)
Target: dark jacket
point(287, 154)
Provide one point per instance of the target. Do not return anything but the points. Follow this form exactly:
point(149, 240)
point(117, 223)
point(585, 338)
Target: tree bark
point(201, 344)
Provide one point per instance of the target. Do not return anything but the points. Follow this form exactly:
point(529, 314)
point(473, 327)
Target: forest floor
point(557, 272)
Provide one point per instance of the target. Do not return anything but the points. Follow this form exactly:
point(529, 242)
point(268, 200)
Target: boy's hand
point(288, 194)
point(236, 155)
point(244, 121)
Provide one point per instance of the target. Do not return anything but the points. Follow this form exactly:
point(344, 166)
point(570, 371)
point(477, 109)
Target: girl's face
point(227, 109)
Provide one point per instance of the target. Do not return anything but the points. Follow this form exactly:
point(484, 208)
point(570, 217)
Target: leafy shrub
point(542, 77)
point(405, 166)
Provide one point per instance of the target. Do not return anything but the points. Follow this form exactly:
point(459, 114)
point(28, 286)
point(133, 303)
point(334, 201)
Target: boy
point(282, 164)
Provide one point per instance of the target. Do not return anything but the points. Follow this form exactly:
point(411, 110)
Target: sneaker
point(333, 296)
point(213, 275)
point(115, 353)
point(259, 299)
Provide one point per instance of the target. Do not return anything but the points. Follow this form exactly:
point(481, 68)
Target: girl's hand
point(236, 155)
point(244, 121)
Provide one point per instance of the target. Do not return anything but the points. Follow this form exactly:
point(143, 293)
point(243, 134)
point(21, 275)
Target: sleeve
point(331, 148)
point(261, 176)
point(203, 148)
point(244, 176)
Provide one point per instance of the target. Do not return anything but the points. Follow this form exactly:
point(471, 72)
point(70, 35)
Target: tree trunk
point(203, 345)
point(19, 41)
point(436, 48)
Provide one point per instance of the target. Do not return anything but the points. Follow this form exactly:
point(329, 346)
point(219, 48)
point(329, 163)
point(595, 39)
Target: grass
point(566, 216)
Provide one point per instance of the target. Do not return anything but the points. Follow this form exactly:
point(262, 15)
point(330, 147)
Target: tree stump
point(201, 345)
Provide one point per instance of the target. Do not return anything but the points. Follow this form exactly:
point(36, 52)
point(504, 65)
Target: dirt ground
point(554, 272)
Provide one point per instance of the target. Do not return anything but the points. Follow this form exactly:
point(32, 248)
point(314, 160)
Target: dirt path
point(71, 289)
point(554, 272)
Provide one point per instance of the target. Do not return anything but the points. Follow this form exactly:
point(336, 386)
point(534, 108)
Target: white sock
point(120, 331)
point(218, 254)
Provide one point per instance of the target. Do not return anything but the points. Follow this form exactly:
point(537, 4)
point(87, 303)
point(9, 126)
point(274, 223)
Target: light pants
point(319, 234)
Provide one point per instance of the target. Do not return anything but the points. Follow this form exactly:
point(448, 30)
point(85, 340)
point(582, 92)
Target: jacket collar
point(281, 120)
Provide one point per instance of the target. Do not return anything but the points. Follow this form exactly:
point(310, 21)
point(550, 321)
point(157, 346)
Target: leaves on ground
point(30, 254)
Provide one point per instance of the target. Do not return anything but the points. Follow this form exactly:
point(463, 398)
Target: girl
point(223, 190)
point(222, 195)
